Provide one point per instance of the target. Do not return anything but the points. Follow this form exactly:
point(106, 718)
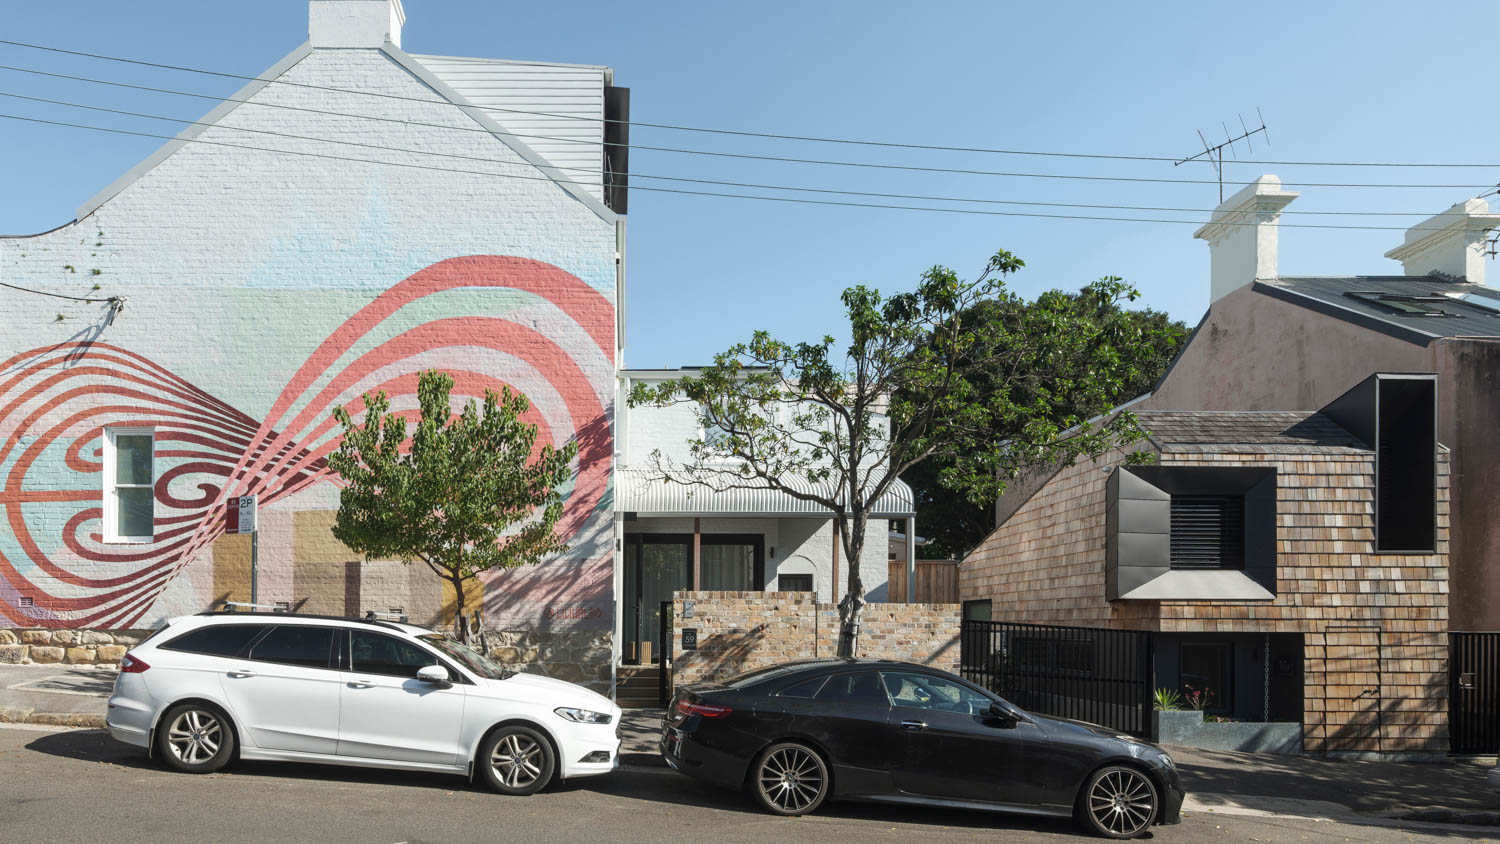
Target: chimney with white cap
point(1241, 236)
point(1451, 243)
point(354, 23)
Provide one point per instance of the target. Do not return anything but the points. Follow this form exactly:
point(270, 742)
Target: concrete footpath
point(1224, 782)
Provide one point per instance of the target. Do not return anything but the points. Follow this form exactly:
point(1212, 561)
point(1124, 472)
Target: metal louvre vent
point(1208, 532)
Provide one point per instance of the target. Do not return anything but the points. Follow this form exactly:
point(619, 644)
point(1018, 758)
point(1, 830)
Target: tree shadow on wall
point(571, 610)
point(724, 654)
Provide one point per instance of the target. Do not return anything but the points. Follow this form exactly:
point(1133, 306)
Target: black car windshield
point(470, 658)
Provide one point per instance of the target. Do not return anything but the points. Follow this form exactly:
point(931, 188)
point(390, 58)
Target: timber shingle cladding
point(1368, 621)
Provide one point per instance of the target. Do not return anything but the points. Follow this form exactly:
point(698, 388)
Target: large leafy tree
point(951, 520)
point(467, 494)
point(926, 375)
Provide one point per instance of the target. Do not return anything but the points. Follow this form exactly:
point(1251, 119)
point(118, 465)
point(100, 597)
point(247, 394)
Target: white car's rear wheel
point(517, 760)
point(195, 739)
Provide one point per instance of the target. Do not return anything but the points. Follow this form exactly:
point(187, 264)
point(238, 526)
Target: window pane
point(296, 645)
point(377, 654)
point(861, 687)
point(795, 583)
point(219, 640)
point(728, 568)
point(134, 516)
point(923, 691)
point(1205, 672)
point(133, 459)
point(804, 689)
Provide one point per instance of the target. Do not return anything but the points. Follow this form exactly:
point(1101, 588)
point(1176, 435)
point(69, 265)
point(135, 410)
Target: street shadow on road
point(96, 746)
point(659, 786)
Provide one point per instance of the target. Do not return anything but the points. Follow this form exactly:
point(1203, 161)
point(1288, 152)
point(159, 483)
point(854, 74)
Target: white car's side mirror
point(434, 674)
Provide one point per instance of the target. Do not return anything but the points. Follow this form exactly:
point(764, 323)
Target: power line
point(764, 135)
point(709, 153)
point(409, 165)
point(682, 179)
point(109, 299)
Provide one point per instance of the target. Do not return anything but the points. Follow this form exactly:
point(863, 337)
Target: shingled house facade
point(1250, 547)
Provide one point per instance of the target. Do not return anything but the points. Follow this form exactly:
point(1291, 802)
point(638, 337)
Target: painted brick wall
point(742, 631)
point(1367, 620)
point(263, 290)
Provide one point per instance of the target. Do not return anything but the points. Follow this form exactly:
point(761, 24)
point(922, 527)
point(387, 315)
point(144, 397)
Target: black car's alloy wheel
point(1119, 802)
point(789, 779)
point(516, 760)
point(195, 739)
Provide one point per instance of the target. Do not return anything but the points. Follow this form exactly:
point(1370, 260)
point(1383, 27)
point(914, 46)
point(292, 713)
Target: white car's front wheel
point(517, 760)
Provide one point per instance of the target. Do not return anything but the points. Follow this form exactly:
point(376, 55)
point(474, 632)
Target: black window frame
point(820, 679)
point(1224, 697)
point(873, 672)
point(172, 643)
point(1188, 536)
point(781, 586)
point(345, 656)
point(329, 662)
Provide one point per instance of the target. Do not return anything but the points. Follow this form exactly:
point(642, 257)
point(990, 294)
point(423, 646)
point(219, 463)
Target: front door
point(285, 692)
point(953, 747)
point(656, 565)
point(386, 713)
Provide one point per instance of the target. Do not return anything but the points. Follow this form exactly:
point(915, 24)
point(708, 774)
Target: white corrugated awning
point(642, 492)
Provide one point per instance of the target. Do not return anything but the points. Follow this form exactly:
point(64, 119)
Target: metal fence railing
point(1089, 674)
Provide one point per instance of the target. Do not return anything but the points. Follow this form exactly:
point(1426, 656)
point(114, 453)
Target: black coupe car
point(797, 734)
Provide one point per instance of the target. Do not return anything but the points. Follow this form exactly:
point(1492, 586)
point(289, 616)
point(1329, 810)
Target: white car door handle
point(361, 684)
point(241, 672)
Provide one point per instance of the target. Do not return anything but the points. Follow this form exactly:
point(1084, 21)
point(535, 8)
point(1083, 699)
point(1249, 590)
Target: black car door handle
point(913, 725)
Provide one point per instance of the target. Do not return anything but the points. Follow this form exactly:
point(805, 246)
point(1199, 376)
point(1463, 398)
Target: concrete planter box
point(1188, 728)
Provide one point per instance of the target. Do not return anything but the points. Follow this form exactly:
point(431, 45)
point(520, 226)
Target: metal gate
point(1087, 673)
point(664, 679)
point(1474, 693)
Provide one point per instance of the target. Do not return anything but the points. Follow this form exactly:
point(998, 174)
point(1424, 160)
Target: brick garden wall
point(1367, 620)
point(741, 631)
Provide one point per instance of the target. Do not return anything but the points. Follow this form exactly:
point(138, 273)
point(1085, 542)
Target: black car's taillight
point(684, 708)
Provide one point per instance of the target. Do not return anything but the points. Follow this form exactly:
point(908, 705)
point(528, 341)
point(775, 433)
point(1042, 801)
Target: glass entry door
point(656, 565)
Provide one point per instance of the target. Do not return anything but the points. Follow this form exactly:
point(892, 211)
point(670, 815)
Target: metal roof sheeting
point(1329, 294)
point(522, 96)
point(641, 491)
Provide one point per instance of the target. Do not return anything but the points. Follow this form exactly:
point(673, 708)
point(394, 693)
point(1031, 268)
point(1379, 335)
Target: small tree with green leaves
point(925, 376)
point(466, 496)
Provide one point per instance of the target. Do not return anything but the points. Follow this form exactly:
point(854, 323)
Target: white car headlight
point(583, 716)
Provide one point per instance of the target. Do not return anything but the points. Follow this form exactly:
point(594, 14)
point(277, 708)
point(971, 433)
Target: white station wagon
point(217, 686)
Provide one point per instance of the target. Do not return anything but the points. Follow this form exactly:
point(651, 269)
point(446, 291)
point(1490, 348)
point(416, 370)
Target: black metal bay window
point(1184, 533)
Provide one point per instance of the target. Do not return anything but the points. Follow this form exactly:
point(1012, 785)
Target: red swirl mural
point(55, 403)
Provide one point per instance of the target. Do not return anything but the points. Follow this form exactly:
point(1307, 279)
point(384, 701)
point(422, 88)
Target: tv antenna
point(1214, 154)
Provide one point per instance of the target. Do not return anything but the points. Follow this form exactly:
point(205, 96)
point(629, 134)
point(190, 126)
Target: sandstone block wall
point(20, 646)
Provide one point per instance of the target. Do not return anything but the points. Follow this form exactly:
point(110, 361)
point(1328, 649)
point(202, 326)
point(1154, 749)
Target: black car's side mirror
point(1002, 716)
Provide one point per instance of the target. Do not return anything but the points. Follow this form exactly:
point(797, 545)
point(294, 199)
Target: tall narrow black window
point(1406, 466)
point(1208, 532)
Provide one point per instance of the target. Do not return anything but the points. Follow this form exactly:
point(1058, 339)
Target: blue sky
point(1369, 81)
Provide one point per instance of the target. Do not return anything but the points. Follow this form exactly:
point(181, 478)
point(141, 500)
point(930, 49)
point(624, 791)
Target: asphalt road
point(80, 786)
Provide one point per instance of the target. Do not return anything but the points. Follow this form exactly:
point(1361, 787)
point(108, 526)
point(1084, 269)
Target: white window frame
point(111, 503)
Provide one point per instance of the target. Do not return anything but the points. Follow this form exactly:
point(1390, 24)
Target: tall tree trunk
point(460, 619)
point(852, 606)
